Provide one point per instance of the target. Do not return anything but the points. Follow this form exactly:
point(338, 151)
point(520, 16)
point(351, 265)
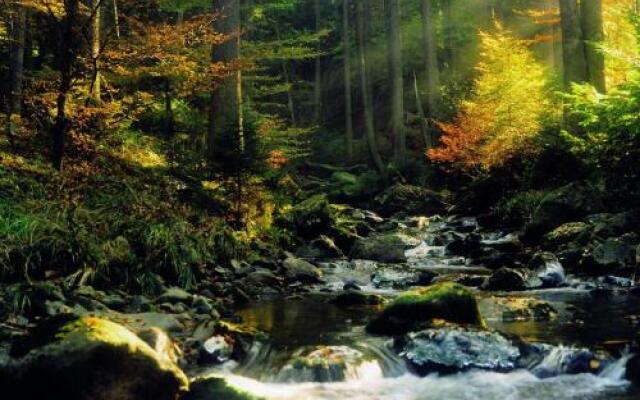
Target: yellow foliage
point(620, 43)
point(506, 110)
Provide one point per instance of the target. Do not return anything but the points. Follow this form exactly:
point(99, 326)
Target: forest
point(319, 199)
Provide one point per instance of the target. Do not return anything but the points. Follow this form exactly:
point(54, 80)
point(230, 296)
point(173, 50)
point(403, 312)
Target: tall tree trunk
point(348, 107)
point(593, 34)
point(67, 60)
point(394, 45)
point(95, 89)
point(424, 126)
point(432, 71)
point(366, 91)
point(225, 99)
point(18, 30)
point(573, 52)
point(317, 87)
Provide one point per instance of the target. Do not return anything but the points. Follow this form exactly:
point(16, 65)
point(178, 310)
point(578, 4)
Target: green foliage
point(520, 208)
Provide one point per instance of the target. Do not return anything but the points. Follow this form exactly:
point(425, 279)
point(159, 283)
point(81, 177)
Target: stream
point(601, 321)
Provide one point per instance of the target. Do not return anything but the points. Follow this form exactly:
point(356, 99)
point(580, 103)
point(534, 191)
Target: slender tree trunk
point(116, 19)
point(424, 126)
point(348, 107)
point(366, 91)
point(225, 98)
point(573, 51)
point(317, 88)
point(18, 29)
point(287, 81)
point(432, 71)
point(593, 33)
point(95, 89)
point(394, 45)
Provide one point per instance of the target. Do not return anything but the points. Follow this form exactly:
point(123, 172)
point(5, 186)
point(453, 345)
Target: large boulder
point(565, 234)
point(451, 350)
point(312, 217)
point(385, 248)
point(418, 308)
point(609, 256)
point(413, 200)
point(568, 203)
point(92, 359)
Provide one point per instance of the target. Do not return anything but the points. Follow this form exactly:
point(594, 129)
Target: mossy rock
point(313, 217)
point(386, 248)
point(413, 200)
point(94, 359)
point(418, 308)
point(217, 388)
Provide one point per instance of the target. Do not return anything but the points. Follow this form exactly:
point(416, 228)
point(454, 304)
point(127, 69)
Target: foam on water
point(477, 385)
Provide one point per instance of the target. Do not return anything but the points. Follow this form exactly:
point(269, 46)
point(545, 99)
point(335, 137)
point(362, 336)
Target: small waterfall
point(617, 369)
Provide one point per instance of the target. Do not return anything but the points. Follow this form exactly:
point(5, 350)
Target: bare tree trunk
point(394, 45)
point(366, 91)
point(95, 89)
point(431, 59)
point(317, 87)
point(593, 33)
point(225, 99)
point(348, 107)
point(116, 19)
point(573, 52)
point(18, 28)
point(424, 126)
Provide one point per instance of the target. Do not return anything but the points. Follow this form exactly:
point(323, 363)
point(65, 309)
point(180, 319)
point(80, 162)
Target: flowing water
point(299, 326)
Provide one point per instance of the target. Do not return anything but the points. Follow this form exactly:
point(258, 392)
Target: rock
point(298, 270)
point(351, 286)
point(385, 248)
point(202, 305)
point(322, 248)
point(548, 269)
point(313, 217)
point(608, 256)
point(568, 203)
point(518, 309)
point(463, 247)
point(571, 232)
point(142, 321)
point(505, 279)
point(398, 279)
point(175, 295)
point(216, 350)
point(507, 244)
point(614, 225)
point(94, 359)
point(494, 259)
point(632, 372)
point(567, 361)
point(326, 364)
point(417, 308)
point(414, 200)
point(217, 387)
point(451, 350)
point(263, 277)
point(351, 298)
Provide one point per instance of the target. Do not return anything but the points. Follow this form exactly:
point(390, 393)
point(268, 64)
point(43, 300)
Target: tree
point(573, 51)
point(94, 90)
point(348, 107)
point(395, 77)
point(431, 68)
point(225, 107)
point(317, 87)
point(505, 113)
point(593, 31)
point(366, 89)
point(17, 50)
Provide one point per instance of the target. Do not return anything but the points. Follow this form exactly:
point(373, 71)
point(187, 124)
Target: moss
point(414, 309)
